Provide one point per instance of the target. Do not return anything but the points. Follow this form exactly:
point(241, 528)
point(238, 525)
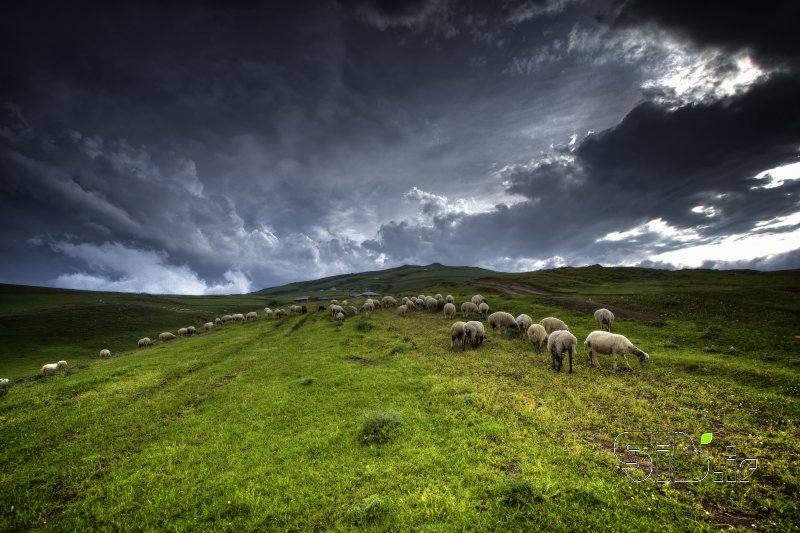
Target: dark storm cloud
point(769, 30)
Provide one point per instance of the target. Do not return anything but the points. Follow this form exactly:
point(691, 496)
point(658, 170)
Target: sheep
point(226, 319)
point(268, 312)
point(524, 322)
point(559, 342)
point(474, 332)
point(182, 332)
point(478, 299)
point(280, 313)
point(367, 308)
point(483, 309)
point(449, 299)
point(402, 310)
point(611, 343)
point(208, 326)
point(166, 336)
point(334, 302)
point(105, 352)
point(469, 308)
point(457, 333)
point(294, 310)
point(388, 301)
point(303, 309)
point(605, 318)
point(252, 315)
point(431, 304)
point(238, 317)
point(551, 324)
point(144, 342)
point(218, 321)
point(4, 382)
point(438, 296)
point(344, 303)
point(449, 310)
point(52, 367)
point(191, 330)
point(537, 336)
point(501, 319)
point(334, 308)
point(339, 317)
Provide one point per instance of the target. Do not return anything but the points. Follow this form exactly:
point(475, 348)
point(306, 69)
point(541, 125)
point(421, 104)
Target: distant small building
point(365, 294)
point(302, 299)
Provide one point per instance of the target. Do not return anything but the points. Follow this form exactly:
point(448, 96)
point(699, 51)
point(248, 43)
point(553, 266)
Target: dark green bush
point(379, 427)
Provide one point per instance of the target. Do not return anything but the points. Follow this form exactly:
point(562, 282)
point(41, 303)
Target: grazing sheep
point(605, 318)
point(469, 308)
point(474, 332)
point(226, 319)
point(144, 342)
point(478, 299)
point(551, 324)
point(334, 302)
point(483, 309)
point(48, 369)
point(191, 330)
point(4, 382)
point(501, 319)
point(339, 317)
point(166, 336)
point(335, 308)
point(402, 310)
point(238, 317)
point(368, 307)
point(218, 321)
point(208, 326)
point(524, 322)
point(537, 336)
point(457, 333)
point(449, 310)
point(559, 342)
point(252, 315)
point(449, 299)
point(294, 309)
point(611, 343)
point(105, 353)
point(388, 301)
point(431, 304)
point(280, 313)
point(344, 303)
point(303, 309)
point(183, 332)
point(438, 296)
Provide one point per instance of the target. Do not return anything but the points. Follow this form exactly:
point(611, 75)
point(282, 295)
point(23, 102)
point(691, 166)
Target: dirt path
point(559, 298)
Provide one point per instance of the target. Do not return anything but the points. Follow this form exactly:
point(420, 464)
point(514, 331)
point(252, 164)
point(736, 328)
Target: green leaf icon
point(705, 438)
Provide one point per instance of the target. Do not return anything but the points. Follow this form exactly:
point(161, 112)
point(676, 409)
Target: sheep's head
point(62, 364)
point(643, 357)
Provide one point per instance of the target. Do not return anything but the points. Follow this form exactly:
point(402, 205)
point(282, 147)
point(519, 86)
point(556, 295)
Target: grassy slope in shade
point(258, 425)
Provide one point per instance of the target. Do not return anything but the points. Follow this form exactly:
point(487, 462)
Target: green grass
point(268, 425)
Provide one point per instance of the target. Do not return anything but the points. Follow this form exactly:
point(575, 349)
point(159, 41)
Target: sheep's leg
point(570, 360)
point(625, 358)
point(614, 352)
point(463, 343)
point(595, 360)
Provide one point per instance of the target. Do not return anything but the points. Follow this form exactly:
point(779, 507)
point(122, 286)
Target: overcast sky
point(220, 150)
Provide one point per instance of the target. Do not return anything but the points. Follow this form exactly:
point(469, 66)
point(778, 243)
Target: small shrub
point(406, 338)
point(307, 381)
point(364, 326)
point(379, 427)
point(370, 510)
point(522, 493)
point(397, 349)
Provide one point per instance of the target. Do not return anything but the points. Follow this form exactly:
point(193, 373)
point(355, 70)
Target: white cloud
point(522, 264)
point(115, 267)
point(656, 227)
point(775, 177)
point(434, 205)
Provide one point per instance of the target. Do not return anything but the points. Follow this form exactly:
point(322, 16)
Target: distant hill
point(397, 280)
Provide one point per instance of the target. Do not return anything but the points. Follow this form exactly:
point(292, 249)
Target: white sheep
point(368, 307)
point(344, 303)
point(537, 336)
point(191, 330)
point(457, 333)
point(166, 336)
point(551, 324)
point(105, 353)
point(227, 318)
point(252, 315)
point(611, 343)
point(431, 304)
point(335, 308)
point(558, 342)
point(523, 323)
point(4, 382)
point(402, 310)
point(280, 313)
point(501, 319)
point(334, 302)
point(468, 308)
point(218, 321)
point(474, 333)
point(268, 312)
point(182, 332)
point(144, 342)
point(483, 309)
point(295, 310)
point(238, 317)
point(339, 317)
point(51, 368)
point(449, 310)
point(449, 299)
point(478, 299)
point(604, 317)
point(388, 301)
point(208, 326)
point(438, 297)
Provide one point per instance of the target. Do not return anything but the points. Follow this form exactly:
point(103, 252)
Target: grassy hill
point(303, 424)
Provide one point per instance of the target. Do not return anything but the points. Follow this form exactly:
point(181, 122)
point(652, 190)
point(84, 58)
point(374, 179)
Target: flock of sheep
point(550, 331)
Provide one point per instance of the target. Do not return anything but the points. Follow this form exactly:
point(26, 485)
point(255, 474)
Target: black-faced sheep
point(474, 333)
point(218, 321)
point(457, 333)
point(449, 299)
point(558, 342)
point(537, 336)
point(449, 310)
point(551, 324)
point(191, 330)
point(611, 343)
point(104, 353)
point(605, 318)
point(501, 319)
